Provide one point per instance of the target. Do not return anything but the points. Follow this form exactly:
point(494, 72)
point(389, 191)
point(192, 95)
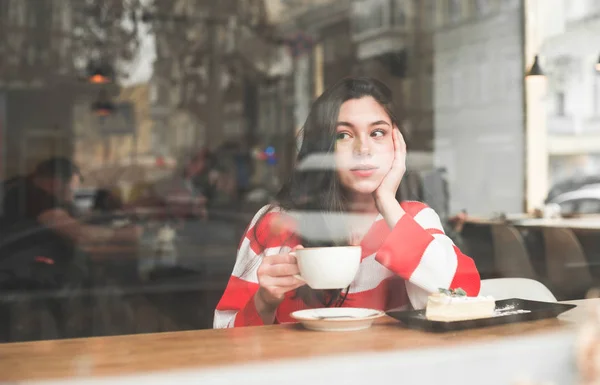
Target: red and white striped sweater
point(400, 267)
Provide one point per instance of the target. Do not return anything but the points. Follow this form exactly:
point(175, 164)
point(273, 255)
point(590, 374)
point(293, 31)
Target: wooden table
point(108, 356)
point(509, 218)
point(584, 223)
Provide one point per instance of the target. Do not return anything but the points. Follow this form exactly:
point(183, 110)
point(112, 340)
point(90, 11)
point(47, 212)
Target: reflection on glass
point(157, 157)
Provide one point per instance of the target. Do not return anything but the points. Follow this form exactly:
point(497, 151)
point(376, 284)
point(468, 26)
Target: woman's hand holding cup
point(277, 275)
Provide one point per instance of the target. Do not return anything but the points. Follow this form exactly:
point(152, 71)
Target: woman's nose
point(361, 147)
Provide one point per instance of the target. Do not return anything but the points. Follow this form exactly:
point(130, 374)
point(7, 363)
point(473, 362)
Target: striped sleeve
point(419, 251)
point(267, 234)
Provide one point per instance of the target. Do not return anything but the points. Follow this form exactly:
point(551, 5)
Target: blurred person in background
point(46, 197)
point(188, 191)
point(39, 225)
point(106, 201)
point(243, 167)
point(202, 175)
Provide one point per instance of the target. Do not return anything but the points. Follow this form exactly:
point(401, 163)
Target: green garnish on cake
point(459, 292)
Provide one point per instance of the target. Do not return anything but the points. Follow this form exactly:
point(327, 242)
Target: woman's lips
point(363, 172)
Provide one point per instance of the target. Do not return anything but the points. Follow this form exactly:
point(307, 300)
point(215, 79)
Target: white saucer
point(337, 318)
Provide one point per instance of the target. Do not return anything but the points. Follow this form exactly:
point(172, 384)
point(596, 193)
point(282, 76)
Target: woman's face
point(364, 149)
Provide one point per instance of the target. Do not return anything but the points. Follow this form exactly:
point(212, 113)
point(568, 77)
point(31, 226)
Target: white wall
point(479, 112)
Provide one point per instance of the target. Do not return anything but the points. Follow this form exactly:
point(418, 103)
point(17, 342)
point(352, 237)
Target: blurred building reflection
point(573, 104)
point(479, 114)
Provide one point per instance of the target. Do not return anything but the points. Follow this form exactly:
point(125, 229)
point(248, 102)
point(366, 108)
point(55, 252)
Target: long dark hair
point(320, 190)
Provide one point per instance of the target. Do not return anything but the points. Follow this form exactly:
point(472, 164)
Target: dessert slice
point(455, 305)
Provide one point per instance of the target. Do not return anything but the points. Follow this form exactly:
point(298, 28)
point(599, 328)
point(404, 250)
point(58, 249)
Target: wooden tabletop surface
point(144, 353)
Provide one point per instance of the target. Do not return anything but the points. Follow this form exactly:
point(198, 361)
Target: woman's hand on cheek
point(390, 183)
point(385, 195)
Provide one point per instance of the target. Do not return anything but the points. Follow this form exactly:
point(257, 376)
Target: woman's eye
point(378, 133)
point(342, 135)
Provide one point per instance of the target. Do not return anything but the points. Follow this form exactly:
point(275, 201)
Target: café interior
point(140, 138)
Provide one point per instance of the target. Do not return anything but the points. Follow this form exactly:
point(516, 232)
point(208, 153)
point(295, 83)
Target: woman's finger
point(283, 270)
point(282, 285)
point(289, 283)
point(395, 138)
point(396, 143)
point(279, 259)
point(297, 284)
point(399, 155)
point(399, 143)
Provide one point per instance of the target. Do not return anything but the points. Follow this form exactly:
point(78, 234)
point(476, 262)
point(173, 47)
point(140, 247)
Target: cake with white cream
point(455, 305)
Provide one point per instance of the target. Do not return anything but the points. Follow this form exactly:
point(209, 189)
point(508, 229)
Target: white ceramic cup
point(328, 267)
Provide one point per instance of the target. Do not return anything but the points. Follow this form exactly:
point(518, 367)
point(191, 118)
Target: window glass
point(170, 168)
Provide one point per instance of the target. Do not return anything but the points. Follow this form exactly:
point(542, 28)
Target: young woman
point(405, 253)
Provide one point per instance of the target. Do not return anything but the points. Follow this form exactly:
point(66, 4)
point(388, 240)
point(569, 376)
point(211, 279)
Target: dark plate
point(415, 319)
